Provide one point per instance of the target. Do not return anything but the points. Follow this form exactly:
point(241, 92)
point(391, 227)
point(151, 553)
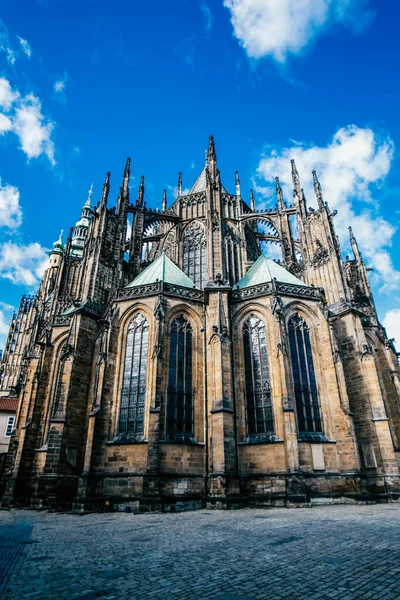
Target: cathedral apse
point(167, 363)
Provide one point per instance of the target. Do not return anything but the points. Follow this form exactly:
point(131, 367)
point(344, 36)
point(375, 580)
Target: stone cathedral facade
point(167, 363)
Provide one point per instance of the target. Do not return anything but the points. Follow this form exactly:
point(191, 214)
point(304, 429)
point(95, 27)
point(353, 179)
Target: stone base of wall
point(167, 493)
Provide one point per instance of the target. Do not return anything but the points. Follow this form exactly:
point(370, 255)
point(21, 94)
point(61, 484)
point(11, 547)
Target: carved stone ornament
point(231, 235)
point(194, 236)
point(253, 249)
point(321, 255)
point(215, 221)
point(286, 247)
point(297, 269)
point(170, 246)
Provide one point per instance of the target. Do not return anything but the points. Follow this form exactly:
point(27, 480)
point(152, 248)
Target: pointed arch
point(194, 254)
point(309, 417)
point(133, 391)
point(180, 393)
point(259, 412)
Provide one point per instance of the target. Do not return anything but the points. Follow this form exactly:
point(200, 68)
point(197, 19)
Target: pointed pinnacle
point(318, 189)
point(295, 177)
point(279, 192)
point(211, 155)
point(252, 201)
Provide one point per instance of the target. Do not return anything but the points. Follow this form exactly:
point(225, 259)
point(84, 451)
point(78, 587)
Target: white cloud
point(23, 116)
point(280, 27)
point(208, 17)
point(33, 129)
point(60, 83)
point(7, 95)
point(10, 209)
point(8, 46)
point(350, 168)
point(23, 265)
point(25, 46)
point(59, 86)
point(391, 322)
point(6, 312)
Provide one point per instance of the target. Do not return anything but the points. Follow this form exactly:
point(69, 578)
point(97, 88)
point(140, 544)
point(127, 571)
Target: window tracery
point(309, 419)
point(179, 418)
point(61, 387)
point(133, 394)
point(260, 419)
point(194, 254)
point(232, 245)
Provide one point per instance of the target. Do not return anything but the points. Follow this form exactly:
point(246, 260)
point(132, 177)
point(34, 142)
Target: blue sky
point(84, 84)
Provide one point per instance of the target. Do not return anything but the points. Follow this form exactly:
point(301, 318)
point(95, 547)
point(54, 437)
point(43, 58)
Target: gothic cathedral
point(166, 363)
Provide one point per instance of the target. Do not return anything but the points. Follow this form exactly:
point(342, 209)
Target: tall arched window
point(260, 419)
point(194, 254)
point(61, 387)
point(309, 418)
point(179, 422)
point(133, 395)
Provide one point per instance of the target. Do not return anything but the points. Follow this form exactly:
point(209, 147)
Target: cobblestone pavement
point(342, 552)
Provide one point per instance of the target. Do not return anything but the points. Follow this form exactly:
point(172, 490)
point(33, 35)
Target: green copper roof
point(265, 270)
point(162, 269)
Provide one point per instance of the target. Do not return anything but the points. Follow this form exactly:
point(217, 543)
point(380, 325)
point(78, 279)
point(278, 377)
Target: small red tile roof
point(8, 404)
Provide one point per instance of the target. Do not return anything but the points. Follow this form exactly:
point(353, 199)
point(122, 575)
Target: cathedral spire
point(179, 184)
point(106, 190)
point(318, 190)
point(296, 179)
point(123, 197)
point(211, 158)
point(89, 198)
point(164, 201)
point(140, 198)
point(127, 174)
point(279, 194)
point(252, 201)
point(354, 246)
point(58, 246)
point(237, 182)
point(211, 155)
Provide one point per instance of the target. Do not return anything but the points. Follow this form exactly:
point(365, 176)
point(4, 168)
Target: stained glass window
point(179, 423)
point(133, 396)
point(61, 388)
point(305, 387)
point(259, 412)
point(194, 254)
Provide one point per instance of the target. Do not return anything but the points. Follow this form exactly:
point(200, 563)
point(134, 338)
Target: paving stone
point(343, 552)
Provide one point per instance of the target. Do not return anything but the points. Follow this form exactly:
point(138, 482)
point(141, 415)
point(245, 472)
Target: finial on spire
point(179, 184)
point(164, 201)
point(127, 174)
point(295, 178)
point(252, 201)
point(58, 246)
point(140, 198)
point(237, 182)
point(279, 193)
point(354, 245)
point(89, 197)
point(106, 189)
point(318, 190)
point(211, 155)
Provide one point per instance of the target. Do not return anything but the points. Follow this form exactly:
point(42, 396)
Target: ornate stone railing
point(275, 287)
point(152, 289)
point(61, 320)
